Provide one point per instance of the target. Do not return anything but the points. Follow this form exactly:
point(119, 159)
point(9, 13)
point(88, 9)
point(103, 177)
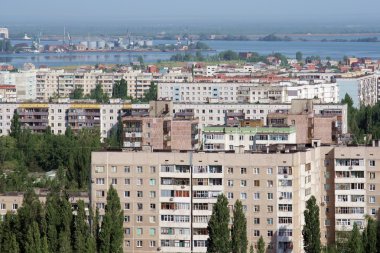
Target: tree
point(369, 236)
point(261, 245)
point(15, 125)
point(299, 56)
point(120, 89)
point(80, 229)
point(355, 242)
point(311, 231)
point(98, 94)
point(239, 229)
point(151, 94)
point(77, 93)
point(251, 249)
point(33, 239)
point(219, 234)
point(111, 232)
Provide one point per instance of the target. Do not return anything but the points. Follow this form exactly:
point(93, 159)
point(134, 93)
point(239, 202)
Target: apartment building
point(8, 93)
point(25, 82)
point(211, 114)
point(233, 92)
point(167, 197)
point(12, 201)
point(80, 114)
point(178, 132)
point(247, 138)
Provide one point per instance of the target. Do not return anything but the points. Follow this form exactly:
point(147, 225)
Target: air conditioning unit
point(350, 168)
point(285, 176)
point(171, 199)
point(182, 187)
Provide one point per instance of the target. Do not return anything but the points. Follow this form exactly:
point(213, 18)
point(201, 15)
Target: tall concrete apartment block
point(167, 197)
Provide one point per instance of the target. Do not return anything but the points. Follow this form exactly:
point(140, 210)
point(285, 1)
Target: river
point(335, 50)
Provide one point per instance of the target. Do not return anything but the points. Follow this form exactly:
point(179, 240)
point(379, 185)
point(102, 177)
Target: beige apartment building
point(168, 196)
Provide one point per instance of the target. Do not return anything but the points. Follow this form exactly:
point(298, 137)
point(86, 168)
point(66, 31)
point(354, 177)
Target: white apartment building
point(215, 114)
point(282, 92)
point(25, 82)
point(217, 138)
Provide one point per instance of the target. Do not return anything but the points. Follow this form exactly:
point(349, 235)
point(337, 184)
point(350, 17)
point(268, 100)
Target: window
point(256, 183)
point(230, 195)
point(372, 175)
point(127, 231)
point(139, 194)
point(113, 169)
point(152, 206)
point(127, 169)
point(243, 195)
point(231, 137)
point(256, 208)
point(127, 206)
point(139, 206)
point(270, 195)
point(139, 244)
point(99, 194)
point(372, 199)
point(127, 181)
point(152, 244)
point(127, 218)
point(230, 183)
point(230, 170)
point(139, 181)
point(243, 170)
point(152, 231)
point(152, 194)
point(152, 169)
point(139, 218)
point(270, 221)
point(152, 181)
point(269, 183)
point(14, 206)
point(114, 181)
point(270, 171)
point(99, 169)
point(243, 183)
point(256, 195)
point(127, 194)
point(100, 181)
point(270, 209)
point(256, 170)
point(372, 163)
point(256, 232)
point(372, 187)
point(139, 169)
point(139, 231)
point(152, 219)
point(256, 221)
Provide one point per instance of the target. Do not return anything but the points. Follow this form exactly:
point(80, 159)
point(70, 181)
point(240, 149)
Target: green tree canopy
point(239, 240)
point(311, 230)
point(219, 234)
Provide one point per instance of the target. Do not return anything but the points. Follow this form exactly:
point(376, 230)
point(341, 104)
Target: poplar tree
point(15, 125)
point(355, 244)
point(80, 229)
point(251, 249)
point(219, 234)
point(111, 232)
point(311, 231)
point(370, 236)
point(261, 245)
point(33, 239)
point(239, 229)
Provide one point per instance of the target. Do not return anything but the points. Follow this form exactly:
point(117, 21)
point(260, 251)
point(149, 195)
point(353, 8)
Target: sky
point(350, 12)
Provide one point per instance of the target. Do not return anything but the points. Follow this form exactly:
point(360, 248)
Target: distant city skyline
point(348, 12)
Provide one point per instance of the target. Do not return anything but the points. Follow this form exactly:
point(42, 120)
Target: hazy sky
point(215, 11)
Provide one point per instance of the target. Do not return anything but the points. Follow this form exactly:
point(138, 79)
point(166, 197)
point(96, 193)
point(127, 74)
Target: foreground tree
point(311, 231)
point(251, 249)
point(111, 232)
point(355, 244)
point(15, 130)
point(239, 229)
point(219, 234)
point(261, 245)
point(370, 237)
